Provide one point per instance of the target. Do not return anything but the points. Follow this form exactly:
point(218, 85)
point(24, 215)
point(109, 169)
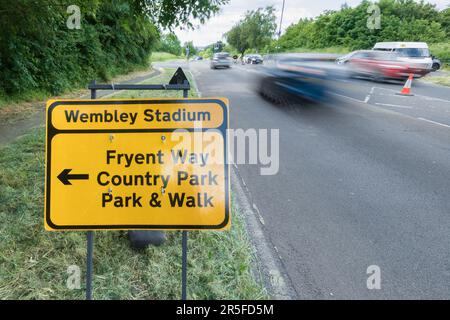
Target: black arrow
point(64, 177)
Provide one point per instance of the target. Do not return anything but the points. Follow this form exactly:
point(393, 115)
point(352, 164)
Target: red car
point(381, 65)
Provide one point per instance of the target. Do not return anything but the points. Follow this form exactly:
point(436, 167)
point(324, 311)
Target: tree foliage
point(255, 31)
point(170, 43)
point(401, 20)
point(38, 52)
point(179, 13)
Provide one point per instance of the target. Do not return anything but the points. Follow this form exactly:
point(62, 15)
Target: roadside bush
point(442, 51)
point(401, 20)
point(38, 52)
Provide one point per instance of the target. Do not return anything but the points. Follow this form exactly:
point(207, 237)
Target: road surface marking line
point(195, 84)
point(282, 290)
point(342, 96)
point(393, 105)
point(417, 95)
point(260, 217)
point(280, 284)
point(435, 122)
point(369, 95)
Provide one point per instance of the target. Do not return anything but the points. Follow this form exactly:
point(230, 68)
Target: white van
point(415, 53)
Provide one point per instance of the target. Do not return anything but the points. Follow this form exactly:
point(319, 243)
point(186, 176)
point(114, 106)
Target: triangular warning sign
point(179, 77)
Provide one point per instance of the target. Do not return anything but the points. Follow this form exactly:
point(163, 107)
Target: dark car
point(295, 77)
point(255, 59)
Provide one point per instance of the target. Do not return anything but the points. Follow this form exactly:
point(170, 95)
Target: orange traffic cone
point(406, 91)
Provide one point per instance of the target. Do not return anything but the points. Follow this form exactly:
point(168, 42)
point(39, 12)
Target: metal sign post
point(184, 246)
point(90, 264)
point(90, 241)
point(178, 82)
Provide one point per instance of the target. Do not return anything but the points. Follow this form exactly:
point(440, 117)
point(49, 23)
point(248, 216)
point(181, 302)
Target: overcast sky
point(214, 29)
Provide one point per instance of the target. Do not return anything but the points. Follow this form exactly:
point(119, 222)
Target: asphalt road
point(363, 181)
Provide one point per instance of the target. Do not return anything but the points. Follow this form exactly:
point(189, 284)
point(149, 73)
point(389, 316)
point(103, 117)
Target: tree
point(255, 31)
point(39, 53)
point(401, 20)
point(444, 19)
point(170, 43)
point(179, 13)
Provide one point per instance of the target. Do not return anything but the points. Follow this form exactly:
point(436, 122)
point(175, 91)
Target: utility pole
point(281, 20)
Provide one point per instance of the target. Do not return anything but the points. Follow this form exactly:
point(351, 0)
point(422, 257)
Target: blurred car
point(221, 60)
point(351, 55)
point(299, 77)
point(382, 65)
point(414, 53)
point(437, 64)
point(197, 58)
point(254, 59)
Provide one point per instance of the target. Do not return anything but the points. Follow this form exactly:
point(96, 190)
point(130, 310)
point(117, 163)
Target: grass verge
point(163, 56)
point(16, 108)
point(13, 109)
point(163, 78)
point(442, 79)
point(333, 50)
point(34, 263)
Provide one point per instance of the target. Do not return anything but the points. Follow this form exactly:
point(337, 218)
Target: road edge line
point(276, 284)
point(434, 122)
point(279, 288)
point(194, 83)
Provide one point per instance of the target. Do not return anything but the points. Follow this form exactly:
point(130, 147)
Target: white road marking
point(369, 95)
point(280, 286)
point(417, 95)
point(261, 219)
point(282, 290)
point(393, 105)
point(342, 96)
point(195, 84)
point(435, 122)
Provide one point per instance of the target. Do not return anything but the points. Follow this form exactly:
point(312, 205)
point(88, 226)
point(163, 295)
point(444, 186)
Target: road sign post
point(136, 165)
point(90, 244)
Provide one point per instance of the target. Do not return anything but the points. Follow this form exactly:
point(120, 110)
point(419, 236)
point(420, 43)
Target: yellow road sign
point(137, 164)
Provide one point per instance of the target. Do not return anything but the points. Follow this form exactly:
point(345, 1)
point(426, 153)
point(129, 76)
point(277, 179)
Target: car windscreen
point(413, 52)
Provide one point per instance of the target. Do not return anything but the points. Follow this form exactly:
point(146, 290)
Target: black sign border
point(52, 132)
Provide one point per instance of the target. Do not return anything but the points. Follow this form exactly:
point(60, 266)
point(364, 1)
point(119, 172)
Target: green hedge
point(38, 52)
point(401, 20)
point(442, 51)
